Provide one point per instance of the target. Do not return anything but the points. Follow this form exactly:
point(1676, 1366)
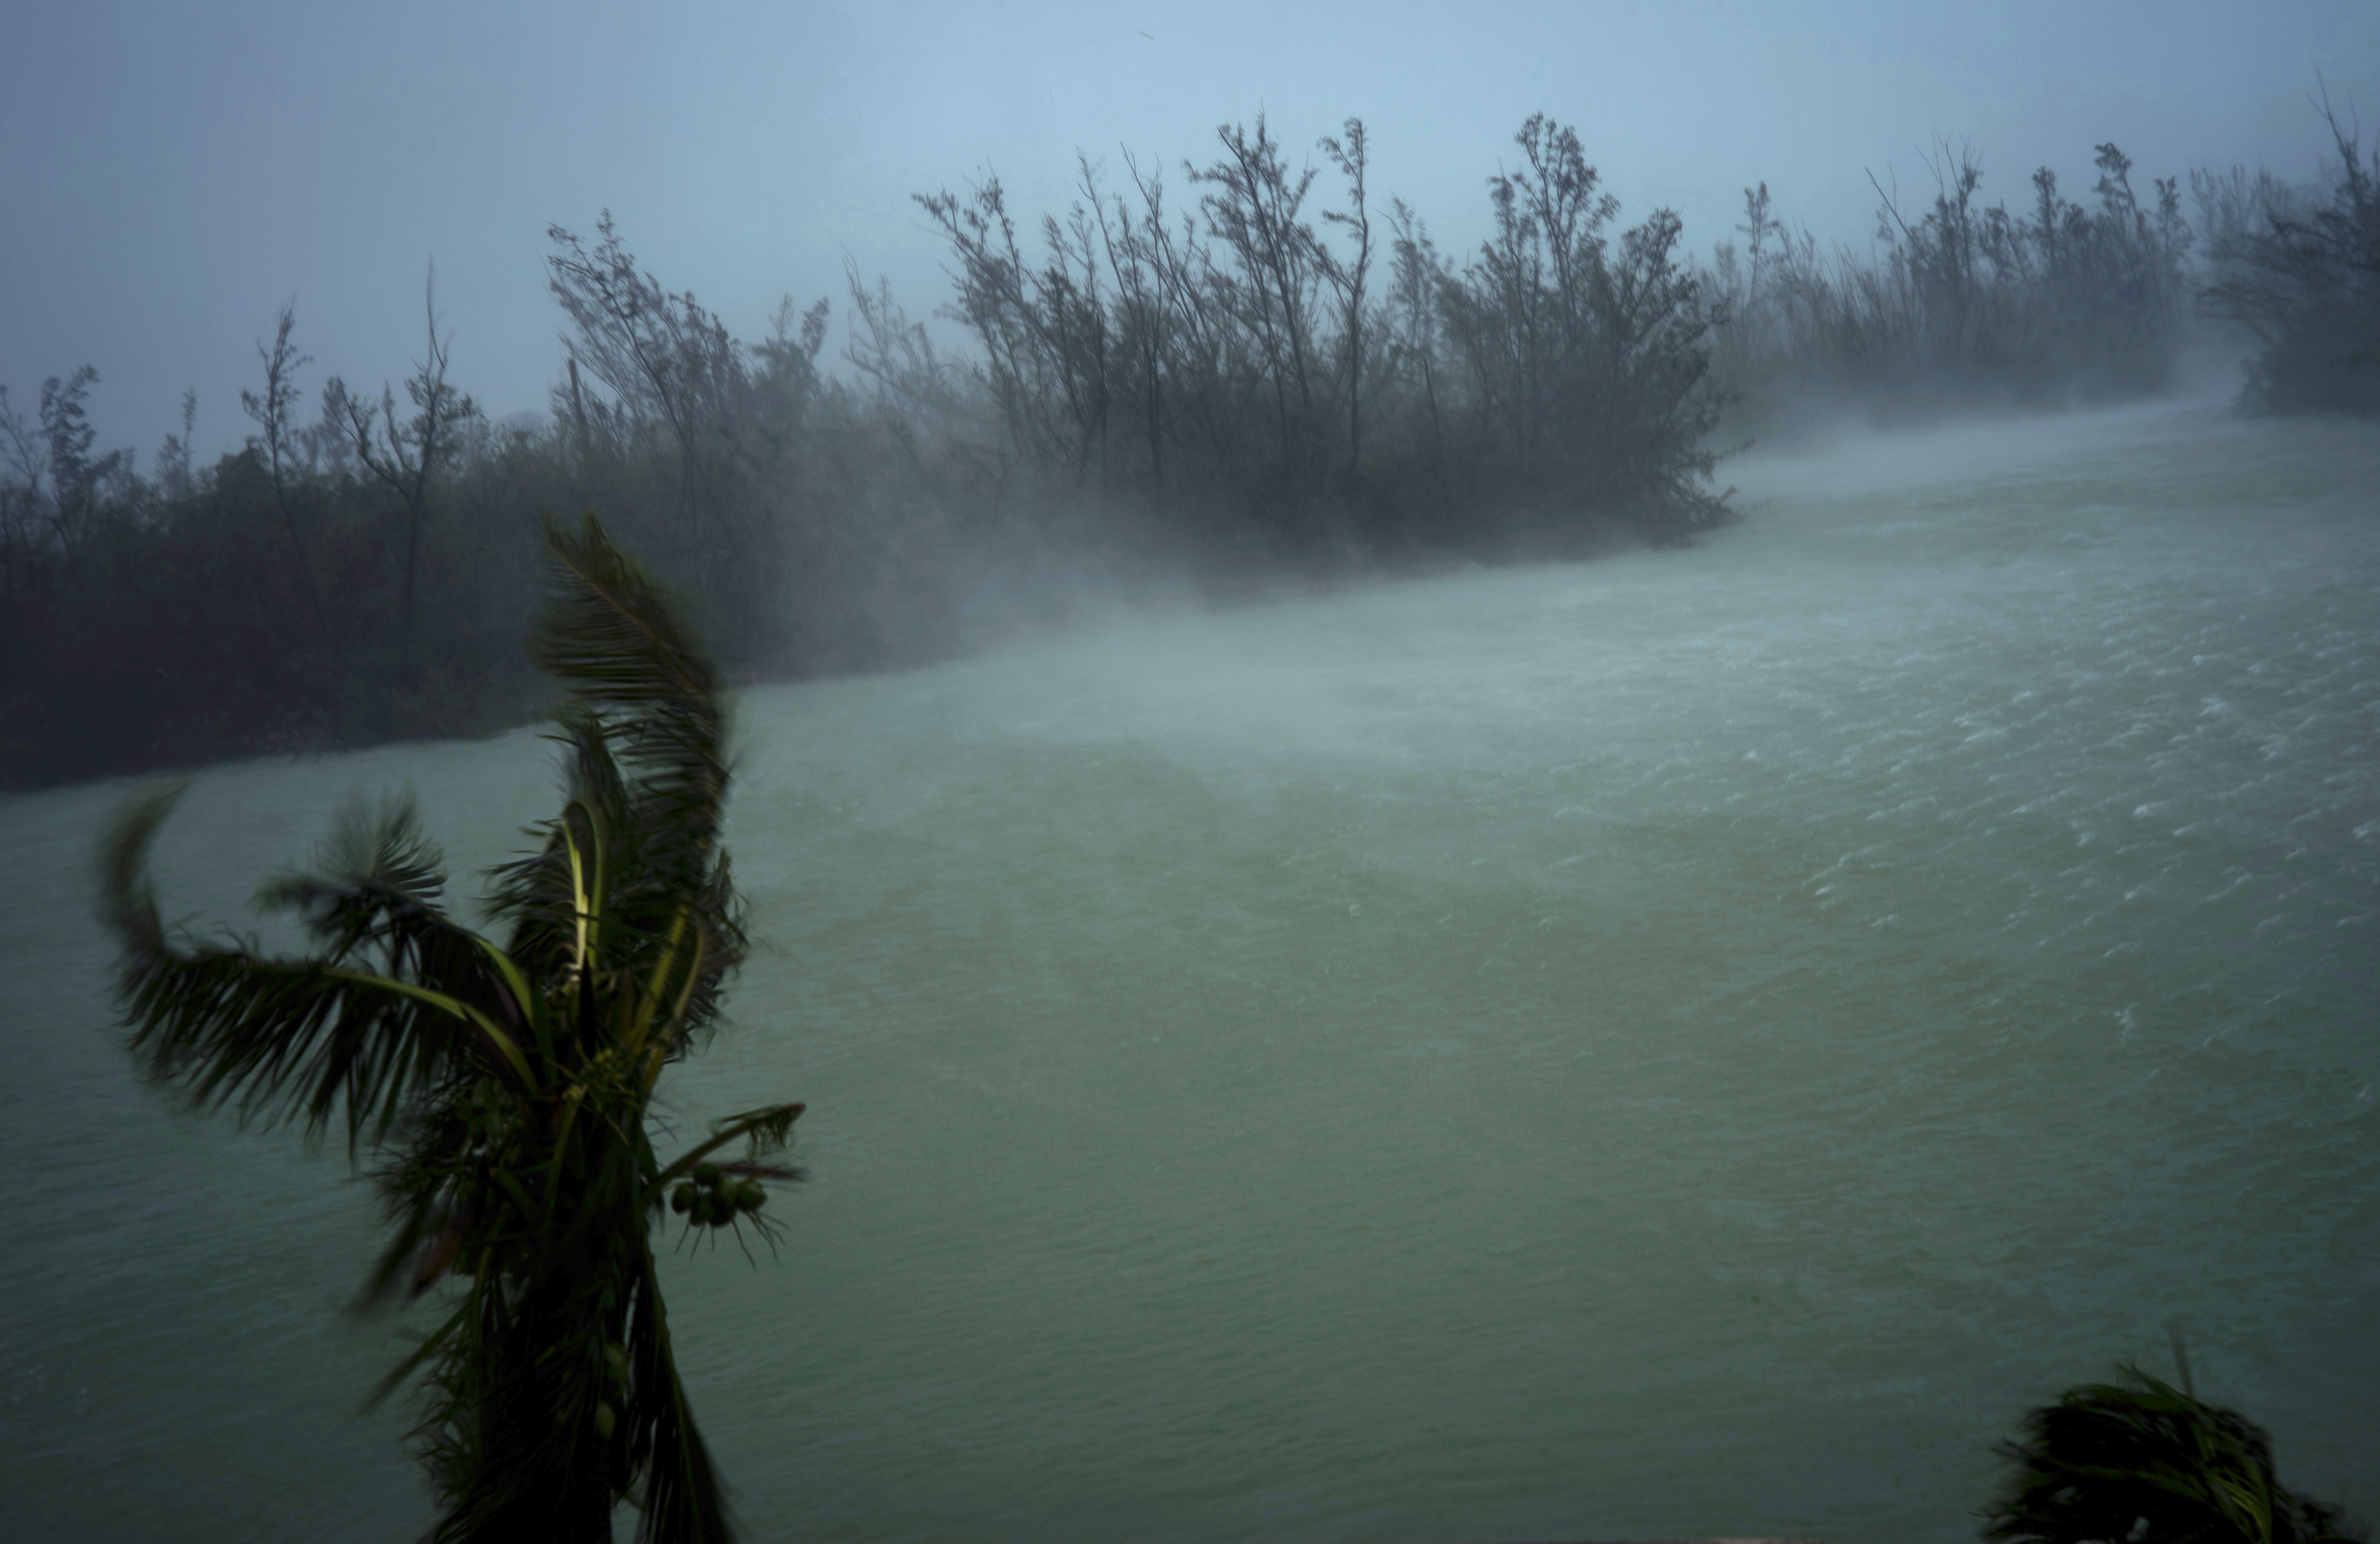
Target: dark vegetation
point(2141, 1462)
point(2299, 270)
point(508, 1087)
point(1961, 302)
point(1264, 369)
point(1241, 375)
point(2059, 300)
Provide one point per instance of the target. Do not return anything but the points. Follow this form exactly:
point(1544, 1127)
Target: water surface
point(1689, 1043)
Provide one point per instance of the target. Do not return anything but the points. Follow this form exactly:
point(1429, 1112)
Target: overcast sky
point(174, 171)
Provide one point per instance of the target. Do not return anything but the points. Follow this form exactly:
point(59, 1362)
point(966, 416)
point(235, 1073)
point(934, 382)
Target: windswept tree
point(1255, 209)
point(174, 481)
point(1352, 156)
point(408, 457)
point(509, 1087)
point(2302, 275)
point(662, 354)
point(1044, 390)
point(655, 377)
point(278, 431)
point(59, 478)
point(1241, 365)
point(1588, 363)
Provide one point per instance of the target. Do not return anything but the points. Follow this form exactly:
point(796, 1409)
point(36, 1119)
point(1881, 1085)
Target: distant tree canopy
point(2062, 300)
point(1963, 301)
point(2301, 270)
point(1237, 366)
point(1278, 370)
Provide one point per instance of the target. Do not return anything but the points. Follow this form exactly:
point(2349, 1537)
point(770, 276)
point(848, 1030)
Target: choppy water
point(1689, 1043)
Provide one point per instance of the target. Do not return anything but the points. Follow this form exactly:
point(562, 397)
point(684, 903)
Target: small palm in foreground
point(509, 1087)
point(2144, 1462)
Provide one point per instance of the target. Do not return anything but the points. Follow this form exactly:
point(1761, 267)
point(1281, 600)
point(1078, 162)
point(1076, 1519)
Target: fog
point(1595, 773)
point(174, 176)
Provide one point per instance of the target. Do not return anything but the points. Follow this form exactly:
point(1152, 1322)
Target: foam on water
point(1694, 1041)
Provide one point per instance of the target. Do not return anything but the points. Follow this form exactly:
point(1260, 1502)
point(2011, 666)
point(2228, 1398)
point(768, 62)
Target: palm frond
point(376, 891)
point(766, 1131)
point(373, 862)
point(617, 639)
point(2142, 1459)
point(509, 1433)
point(683, 1503)
point(647, 780)
point(282, 1038)
point(128, 899)
point(538, 892)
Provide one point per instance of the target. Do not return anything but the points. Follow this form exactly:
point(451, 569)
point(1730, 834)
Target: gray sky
point(172, 173)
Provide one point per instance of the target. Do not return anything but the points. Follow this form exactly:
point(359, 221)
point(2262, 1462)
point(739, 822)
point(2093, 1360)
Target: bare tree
point(271, 410)
point(405, 457)
point(662, 354)
point(1353, 157)
point(1074, 320)
point(20, 444)
point(1141, 319)
point(20, 511)
point(1022, 358)
point(1255, 212)
point(174, 455)
point(75, 474)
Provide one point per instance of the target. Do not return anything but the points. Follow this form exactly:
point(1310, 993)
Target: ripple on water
point(1690, 1040)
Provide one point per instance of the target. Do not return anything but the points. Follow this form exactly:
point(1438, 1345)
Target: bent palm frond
point(2110, 1457)
point(647, 780)
point(375, 865)
point(765, 1132)
point(613, 635)
point(682, 1491)
point(312, 1036)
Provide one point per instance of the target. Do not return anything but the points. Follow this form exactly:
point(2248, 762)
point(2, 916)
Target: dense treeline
point(1240, 370)
point(1964, 302)
point(1258, 371)
point(2059, 300)
point(366, 575)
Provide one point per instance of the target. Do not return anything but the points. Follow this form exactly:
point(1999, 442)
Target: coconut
point(615, 1362)
point(706, 1174)
point(605, 1418)
point(750, 1196)
point(682, 1198)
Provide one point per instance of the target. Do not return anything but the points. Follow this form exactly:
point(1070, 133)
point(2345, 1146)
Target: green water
point(1690, 1043)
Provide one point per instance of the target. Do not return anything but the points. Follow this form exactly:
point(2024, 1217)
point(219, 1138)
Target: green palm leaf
point(2142, 1460)
point(507, 1086)
point(314, 1036)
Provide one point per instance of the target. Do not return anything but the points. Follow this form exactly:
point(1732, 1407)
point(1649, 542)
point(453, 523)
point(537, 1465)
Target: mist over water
point(1689, 1044)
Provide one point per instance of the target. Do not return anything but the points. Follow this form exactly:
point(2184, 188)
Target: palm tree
point(2145, 1461)
point(508, 1089)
